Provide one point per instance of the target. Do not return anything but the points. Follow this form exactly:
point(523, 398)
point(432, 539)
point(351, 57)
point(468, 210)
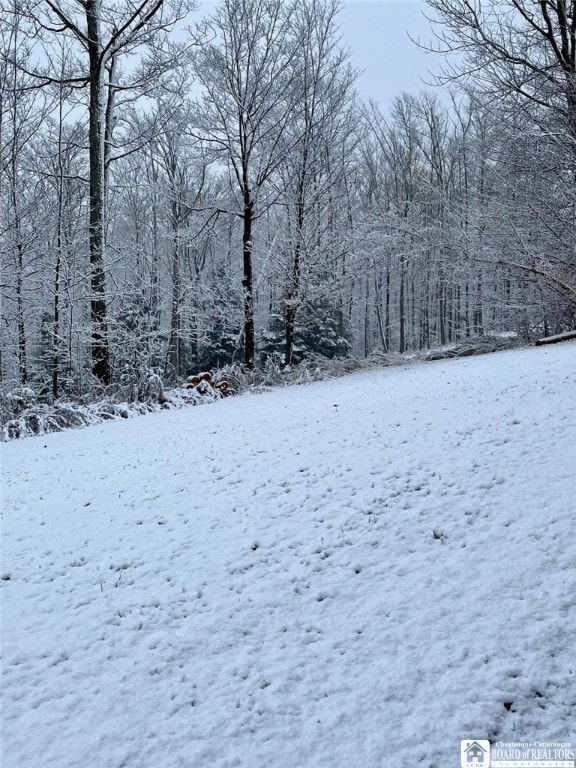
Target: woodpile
point(203, 382)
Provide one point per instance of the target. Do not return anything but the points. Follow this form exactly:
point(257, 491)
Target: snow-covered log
point(556, 339)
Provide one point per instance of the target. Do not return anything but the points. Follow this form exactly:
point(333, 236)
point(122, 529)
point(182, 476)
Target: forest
point(182, 192)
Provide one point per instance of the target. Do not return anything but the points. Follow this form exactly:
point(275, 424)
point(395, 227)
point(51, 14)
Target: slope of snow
point(355, 573)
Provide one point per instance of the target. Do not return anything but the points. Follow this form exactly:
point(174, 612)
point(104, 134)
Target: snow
point(359, 572)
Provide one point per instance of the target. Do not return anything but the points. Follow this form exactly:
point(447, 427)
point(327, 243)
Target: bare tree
point(514, 47)
point(522, 54)
point(247, 104)
point(321, 140)
point(22, 112)
point(102, 33)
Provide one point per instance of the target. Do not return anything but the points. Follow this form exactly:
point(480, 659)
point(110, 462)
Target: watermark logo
point(517, 754)
point(475, 754)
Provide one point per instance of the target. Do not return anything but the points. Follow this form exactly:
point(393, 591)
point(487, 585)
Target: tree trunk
point(425, 311)
point(402, 310)
point(56, 316)
point(55, 362)
point(479, 307)
point(568, 336)
point(19, 249)
point(22, 360)
point(247, 282)
point(174, 343)
point(378, 307)
point(98, 311)
point(387, 326)
point(18, 244)
point(294, 289)
point(289, 327)
point(442, 309)
point(367, 328)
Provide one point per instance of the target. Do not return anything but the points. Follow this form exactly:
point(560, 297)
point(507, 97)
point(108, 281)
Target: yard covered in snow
point(356, 573)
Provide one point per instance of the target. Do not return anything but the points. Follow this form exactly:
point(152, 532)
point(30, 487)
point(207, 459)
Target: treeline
point(176, 206)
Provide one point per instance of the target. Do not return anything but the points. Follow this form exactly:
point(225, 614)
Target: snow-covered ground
point(357, 573)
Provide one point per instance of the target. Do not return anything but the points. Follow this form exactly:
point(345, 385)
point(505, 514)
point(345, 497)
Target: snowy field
point(357, 573)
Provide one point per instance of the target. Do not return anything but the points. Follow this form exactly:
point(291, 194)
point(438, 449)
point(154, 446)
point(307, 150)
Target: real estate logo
point(475, 754)
point(514, 754)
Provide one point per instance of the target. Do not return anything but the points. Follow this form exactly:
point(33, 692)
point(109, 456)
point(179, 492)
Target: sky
point(377, 33)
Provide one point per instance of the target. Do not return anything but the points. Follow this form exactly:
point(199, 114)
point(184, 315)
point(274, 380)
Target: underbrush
point(477, 345)
point(22, 415)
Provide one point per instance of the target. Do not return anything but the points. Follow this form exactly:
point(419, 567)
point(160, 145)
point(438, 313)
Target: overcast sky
point(377, 33)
